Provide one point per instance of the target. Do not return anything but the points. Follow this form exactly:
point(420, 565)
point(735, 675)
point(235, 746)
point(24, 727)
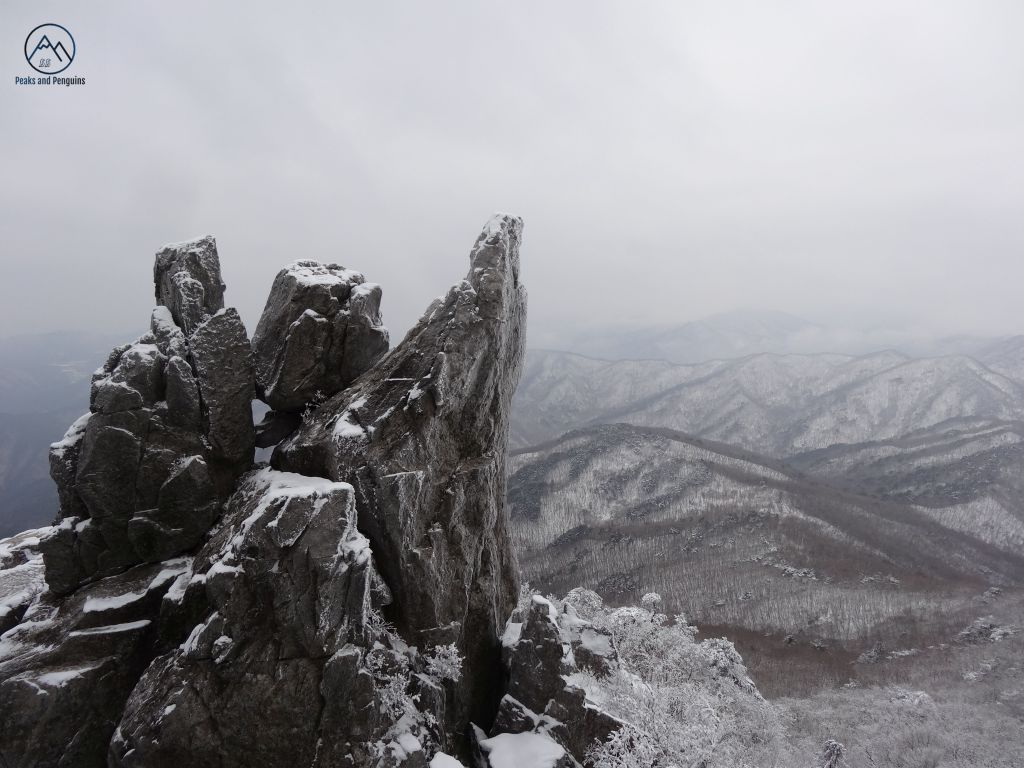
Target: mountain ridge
point(774, 404)
point(776, 557)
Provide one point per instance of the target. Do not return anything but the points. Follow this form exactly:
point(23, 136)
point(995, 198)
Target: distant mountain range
point(813, 507)
point(776, 405)
point(1005, 356)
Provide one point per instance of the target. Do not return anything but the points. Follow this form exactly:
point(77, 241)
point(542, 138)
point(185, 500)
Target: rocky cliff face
point(141, 476)
point(421, 439)
point(344, 607)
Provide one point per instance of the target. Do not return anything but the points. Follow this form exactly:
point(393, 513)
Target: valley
point(838, 517)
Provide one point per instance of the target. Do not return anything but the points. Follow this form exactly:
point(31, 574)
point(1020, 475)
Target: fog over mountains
point(844, 517)
point(768, 382)
point(773, 404)
point(740, 333)
point(812, 505)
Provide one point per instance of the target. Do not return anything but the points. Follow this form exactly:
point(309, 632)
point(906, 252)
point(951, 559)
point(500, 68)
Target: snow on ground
point(60, 677)
point(314, 273)
point(441, 760)
point(596, 643)
point(21, 570)
point(100, 604)
point(274, 486)
point(346, 427)
point(522, 750)
point(111, 629)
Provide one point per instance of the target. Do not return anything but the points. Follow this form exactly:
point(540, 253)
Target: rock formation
point(421, 438)
point(68, 667)
point(188, 282)
point(320, 330)
point(543, 648)
point(142, 476)
point(285, 584)
point(343, 608)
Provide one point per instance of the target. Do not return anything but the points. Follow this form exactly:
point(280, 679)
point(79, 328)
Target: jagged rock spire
point(259, 639)
point(415, 452)
point(422, 438)
point(188, 282)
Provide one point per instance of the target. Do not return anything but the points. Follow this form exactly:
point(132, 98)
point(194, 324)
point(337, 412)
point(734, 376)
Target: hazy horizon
point(858, 165)
point(877, 332)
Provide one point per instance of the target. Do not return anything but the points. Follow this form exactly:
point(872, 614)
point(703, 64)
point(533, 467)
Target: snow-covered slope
point(21, 575)
point(967, 474)
point(1005, 356)
point(739, 541)
point(777, 405)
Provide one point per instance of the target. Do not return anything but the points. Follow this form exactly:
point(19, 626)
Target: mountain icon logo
point(49, 49)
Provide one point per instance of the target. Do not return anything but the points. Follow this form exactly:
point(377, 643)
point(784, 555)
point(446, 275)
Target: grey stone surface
point(223, 366)
point(169, 432)
point(542, 648)
point(535, 655)
point(320, 330)
point(188, 281)
point(67, 669)
point(422, 438)
point(64, 467)
point(283, 604)
point(184, 407)
point(275, 426)
point(288, 580)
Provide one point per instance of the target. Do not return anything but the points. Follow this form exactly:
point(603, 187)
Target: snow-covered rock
point(441, 760)
point(285, 585)
point(142, 476)
point(321, 329)
point(188, 281)
point(65, 671)
point(342, 608)
point(524, 750)
point(21, 575)
point(545, 646)
point(421, 437)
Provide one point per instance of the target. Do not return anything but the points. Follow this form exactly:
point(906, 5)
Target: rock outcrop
point(141, 477)
point(67, 668)
point(422, 440)
point(343, 608)
point(286, 582)
point(188, 281)
point(319, 331)
point(543, 648)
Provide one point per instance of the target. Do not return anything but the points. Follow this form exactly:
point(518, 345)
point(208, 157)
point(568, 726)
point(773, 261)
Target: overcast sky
point(862, 161)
